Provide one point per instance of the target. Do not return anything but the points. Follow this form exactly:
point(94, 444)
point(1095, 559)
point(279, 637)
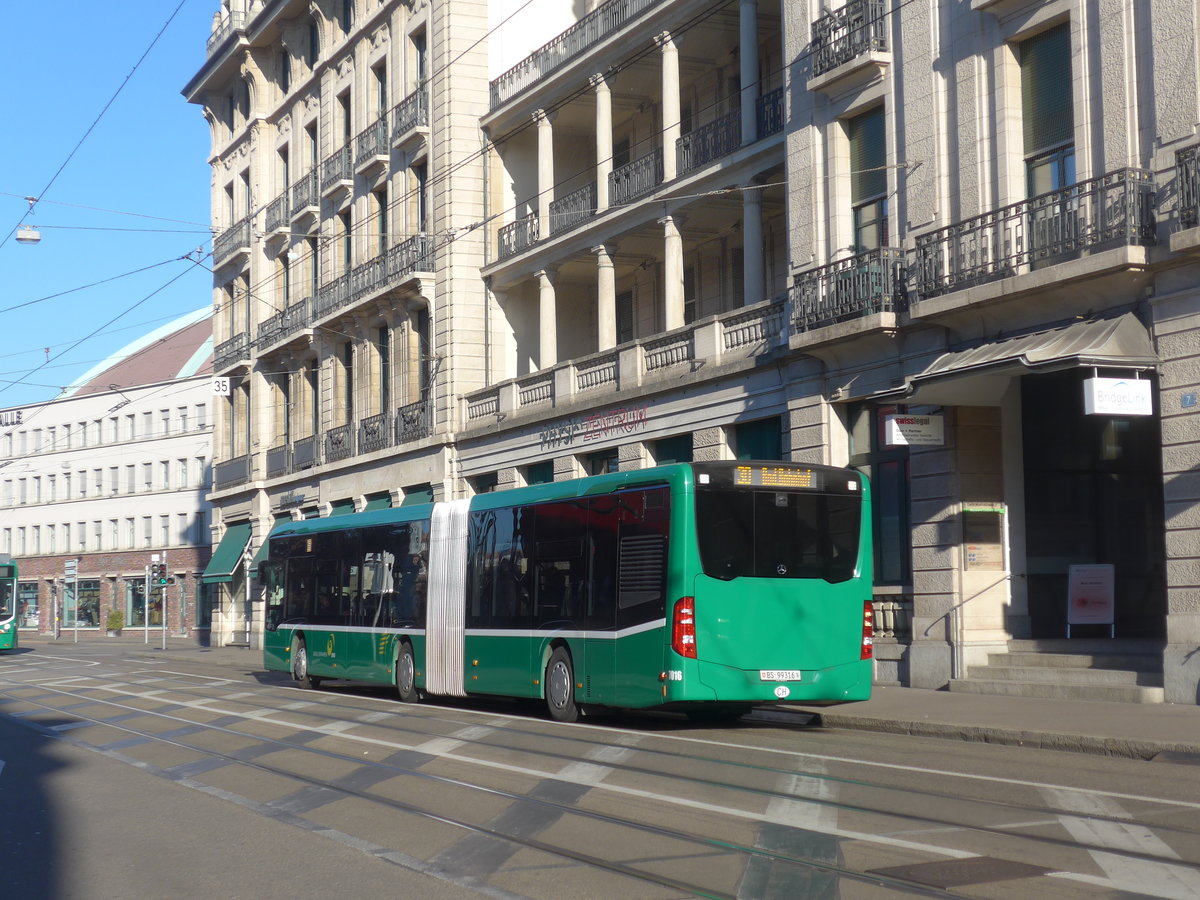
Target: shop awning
point(422, 493)
point(228, 555)
point(980, 375)
point(341, 507)
point(383, 501)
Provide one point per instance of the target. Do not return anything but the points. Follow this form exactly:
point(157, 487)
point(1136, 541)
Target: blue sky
point(146, 156)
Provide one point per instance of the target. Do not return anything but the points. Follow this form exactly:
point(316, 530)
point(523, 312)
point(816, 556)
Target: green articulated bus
point(706, 588)
point(8, 602)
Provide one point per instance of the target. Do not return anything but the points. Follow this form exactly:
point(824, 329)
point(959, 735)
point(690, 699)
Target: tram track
point(135, 688)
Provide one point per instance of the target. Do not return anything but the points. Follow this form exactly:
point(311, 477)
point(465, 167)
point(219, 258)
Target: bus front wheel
point(300, 667)
point(406, 674)
point(560, 687)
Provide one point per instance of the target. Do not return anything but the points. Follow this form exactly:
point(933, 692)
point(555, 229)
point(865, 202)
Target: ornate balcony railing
point(337, 167)
point(517, 236)
point(377, 274)
point(414, 421)
point(306, 453)
point(231, 351)
point(1116, 209)
point(710, 141)
point(270, 330)
point(636, 179)
point(597, 373)
point(305, 194)
point(411, 112)
point(770, 113)
point(371, 142)
point(536, 388)
point(577, 206)
point(278, 461)
point(869, 283)
point(234, 21)
point(231, 472)
point(332, 295)
point(672, 350)
point(763, 326)
point(587, 32)
point(339, 443)
point(839, 36)
point(233, 238)
point(277, 213)
point(374, 434)
point(1187, 171)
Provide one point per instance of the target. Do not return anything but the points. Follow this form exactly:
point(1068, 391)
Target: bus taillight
point(868, 636)
point(683, 627)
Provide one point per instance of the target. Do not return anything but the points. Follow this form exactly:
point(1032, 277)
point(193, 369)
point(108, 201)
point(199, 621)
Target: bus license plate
point(779, 674)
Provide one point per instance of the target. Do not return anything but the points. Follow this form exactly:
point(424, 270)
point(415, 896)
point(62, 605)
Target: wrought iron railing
point(377, 274)
point(332, 295)
point(770, 113)
point(371, 142)
point(270, 330)
point(278, 461)
point(233, 238)
point(869, 283)
point(577, 206)
point(1187, 172)
point(1116, 209)
point(374, 434)
point(587, 32)
point(635, 179)
point(233, 350)
point(337, 167)
point(838, 36)
point(305, 194)
point(234, 21)
point(709, 142)
point(414, 421)
point(411, 112)
point(306, 453)
point(517, 236)
point(231, 472)
point(339, 443)
point(277, 213)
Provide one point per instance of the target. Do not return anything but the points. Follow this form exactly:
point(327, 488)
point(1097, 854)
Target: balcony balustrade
point(231, 472)
point(305, 195)
point(1115, 209)
point(278, 461)
point(269, 331)
point(372, 144)
point(337, 169)
point(577, 206)
point(534, 389)
point(410, 113)
point(869, 283)
point(233, 239)
point(374, 433)
point(230, 23)
point(841, 35)
point(414, 421)
point(893, 618)
point(763, 327)
point(584, 34)
point(671, 350)
point(277, 213)
point(770, 113)
point(1187, 172)
point(636, 179)
point(709, 142)
point(597, 373)
point(517, 236)
point(381, 273)
point(339, 443)
point(306, 453)
point(231, 351)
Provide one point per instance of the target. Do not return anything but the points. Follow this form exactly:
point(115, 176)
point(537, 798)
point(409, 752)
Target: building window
point(27, 604)
point(625, 317)
point(602, 462)
point(485, 484)
point(540, 473)
point(285, 70)
point(379, 80)
point(868, 180)
point(314, 43)
point(760, 439)
point(183, 419)
point(347, 16)
point(347, 241)
point(421, 177)
point(887, 469)
point(348, 381)
point(673, 450)
point(383, 346)
point(381, 220)
point(1047, 110)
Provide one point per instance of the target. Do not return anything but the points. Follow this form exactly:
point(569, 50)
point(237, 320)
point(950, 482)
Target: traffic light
point(158, 574)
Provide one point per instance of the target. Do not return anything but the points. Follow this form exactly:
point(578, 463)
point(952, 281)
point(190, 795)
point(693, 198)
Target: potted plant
point(114, 622)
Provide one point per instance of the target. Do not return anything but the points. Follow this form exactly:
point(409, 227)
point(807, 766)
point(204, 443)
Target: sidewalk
point(1132, 730)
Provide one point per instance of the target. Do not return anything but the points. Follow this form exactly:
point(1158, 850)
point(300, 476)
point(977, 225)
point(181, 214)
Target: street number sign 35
point(220, 387)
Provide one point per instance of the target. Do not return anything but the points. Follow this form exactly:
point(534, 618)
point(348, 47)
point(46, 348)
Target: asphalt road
point(125, 775)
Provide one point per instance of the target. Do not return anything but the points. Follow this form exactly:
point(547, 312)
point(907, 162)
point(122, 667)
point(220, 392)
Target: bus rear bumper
point(837, 684)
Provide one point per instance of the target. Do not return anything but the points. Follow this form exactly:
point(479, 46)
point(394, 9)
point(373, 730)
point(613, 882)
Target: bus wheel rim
point(406, 671)
point(559, 685)
point(301, 662)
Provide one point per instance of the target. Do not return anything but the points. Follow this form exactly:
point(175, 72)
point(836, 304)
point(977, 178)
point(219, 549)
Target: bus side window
point(603, 516)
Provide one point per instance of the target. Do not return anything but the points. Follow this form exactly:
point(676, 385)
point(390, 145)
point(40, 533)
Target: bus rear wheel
point(560, 687)
point(300, 666)
point(406, 674)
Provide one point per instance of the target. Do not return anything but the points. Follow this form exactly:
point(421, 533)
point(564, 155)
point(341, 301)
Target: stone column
point(547, 320)
point(672, 273)
point(670, 102)
point(604, 142)
point(545, 169)
point(752, 250)
point(748, 57)
point(606, 299)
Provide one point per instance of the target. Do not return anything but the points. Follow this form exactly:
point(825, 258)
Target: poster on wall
point(1090, 595)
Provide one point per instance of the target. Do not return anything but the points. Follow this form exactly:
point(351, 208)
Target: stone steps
point(1112, 693)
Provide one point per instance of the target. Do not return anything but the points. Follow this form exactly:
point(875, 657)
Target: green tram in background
point(706, 588)
point(8, 602)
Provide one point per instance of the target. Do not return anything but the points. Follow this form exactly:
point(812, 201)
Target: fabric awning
point(341, 507)
point(383, 501)
point(418, 494)
point(228, 555)
point(980, 374)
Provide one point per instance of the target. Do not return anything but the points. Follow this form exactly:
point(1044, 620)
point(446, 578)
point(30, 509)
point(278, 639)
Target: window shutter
point(1046, 102)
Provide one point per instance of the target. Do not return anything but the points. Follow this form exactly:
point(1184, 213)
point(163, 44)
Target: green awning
point(418, 493)
point(266, 545)
point(341, 507)
point(228, 554)
point(380, 501)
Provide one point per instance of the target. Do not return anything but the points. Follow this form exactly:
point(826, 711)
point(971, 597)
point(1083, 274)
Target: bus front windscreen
point(7, 592)
point(777, 534)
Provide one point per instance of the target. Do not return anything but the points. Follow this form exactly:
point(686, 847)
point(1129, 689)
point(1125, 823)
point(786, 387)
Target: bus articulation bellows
point(707, 588)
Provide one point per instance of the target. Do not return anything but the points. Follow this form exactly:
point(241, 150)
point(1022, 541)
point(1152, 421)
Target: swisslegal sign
point(1117, 397)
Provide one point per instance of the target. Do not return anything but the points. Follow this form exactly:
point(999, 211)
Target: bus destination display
point(774, 476)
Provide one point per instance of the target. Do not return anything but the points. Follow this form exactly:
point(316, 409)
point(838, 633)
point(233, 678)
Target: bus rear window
point(777, 534)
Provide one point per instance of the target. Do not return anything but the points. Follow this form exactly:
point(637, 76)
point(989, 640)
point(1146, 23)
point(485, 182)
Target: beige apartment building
point(469, 246)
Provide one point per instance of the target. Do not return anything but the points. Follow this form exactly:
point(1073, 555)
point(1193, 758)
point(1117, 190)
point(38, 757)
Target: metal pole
point(163, 594)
